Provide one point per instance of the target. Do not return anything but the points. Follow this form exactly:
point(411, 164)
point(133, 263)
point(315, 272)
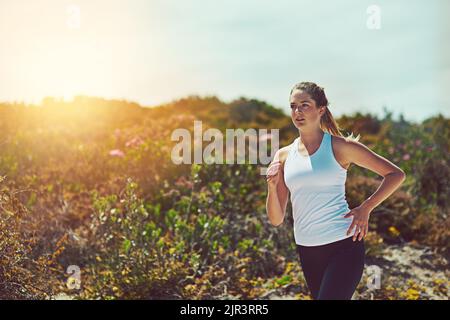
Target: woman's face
point(304, 111)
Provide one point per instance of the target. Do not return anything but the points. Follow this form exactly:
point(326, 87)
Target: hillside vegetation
point(91, 183)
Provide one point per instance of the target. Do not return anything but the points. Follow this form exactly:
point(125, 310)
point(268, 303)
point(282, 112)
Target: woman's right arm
point(277, 195)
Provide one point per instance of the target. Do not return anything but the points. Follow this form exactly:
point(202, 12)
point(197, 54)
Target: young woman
point(313, 169)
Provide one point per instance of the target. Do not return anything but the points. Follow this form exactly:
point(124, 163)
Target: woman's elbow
point(398, 173)
point(402, 175)
point(276, 223)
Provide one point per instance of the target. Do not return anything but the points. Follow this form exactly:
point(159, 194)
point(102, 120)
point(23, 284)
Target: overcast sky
point(154, 51)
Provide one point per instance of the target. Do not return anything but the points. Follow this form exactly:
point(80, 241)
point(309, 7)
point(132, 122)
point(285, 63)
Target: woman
point(313, 169)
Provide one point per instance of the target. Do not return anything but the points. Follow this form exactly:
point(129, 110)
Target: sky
point(156, 51)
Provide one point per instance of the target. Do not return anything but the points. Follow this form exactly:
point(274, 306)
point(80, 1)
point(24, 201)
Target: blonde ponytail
point(328, 124)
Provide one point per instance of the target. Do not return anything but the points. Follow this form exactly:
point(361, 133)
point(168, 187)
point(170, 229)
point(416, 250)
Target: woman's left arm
point(393, 177)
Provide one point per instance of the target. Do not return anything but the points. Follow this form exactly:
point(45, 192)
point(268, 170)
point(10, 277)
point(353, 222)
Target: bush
point(23, 275)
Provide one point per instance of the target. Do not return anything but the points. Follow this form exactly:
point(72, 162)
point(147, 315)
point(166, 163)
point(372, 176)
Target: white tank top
point(317, 187)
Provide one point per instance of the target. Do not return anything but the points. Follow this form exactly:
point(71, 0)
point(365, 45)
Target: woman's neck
point(311, 138)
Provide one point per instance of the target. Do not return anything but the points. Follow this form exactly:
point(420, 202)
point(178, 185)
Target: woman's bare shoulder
point(346, 144)
point(281, 154)
point(340, 150)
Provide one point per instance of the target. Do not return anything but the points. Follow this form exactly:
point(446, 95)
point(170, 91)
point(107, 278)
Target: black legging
point(332, 271)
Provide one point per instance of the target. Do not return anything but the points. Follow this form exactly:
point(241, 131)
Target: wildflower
point(412, 294)
point(406, 157)
point(136, 141)
point(116, 153)
point(394, 231)
point(183, 182)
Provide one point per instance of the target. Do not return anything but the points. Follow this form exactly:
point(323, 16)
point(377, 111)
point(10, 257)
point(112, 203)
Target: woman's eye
point(303, 106)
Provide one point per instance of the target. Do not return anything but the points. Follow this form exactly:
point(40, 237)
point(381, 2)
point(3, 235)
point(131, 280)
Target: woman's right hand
point(273, 173)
